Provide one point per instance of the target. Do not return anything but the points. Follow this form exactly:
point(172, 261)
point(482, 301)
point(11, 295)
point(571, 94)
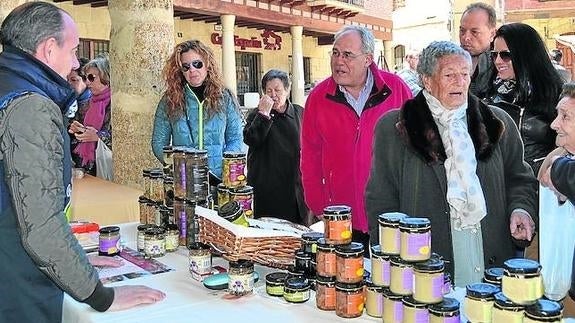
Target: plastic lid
point(544, 308)
point(369, 284)
point(154, 230)
point(390, 295)
point(276, 277)
point(433, 264)
point(142, 199)
point(143, 227)
point(300, 254)
point(230, 211)
point(146, 172)
point(337, 209)
point(325, 279)
point(348, 287)
point(352, 248)
point(391, 218)
point(447, 305)
point(396, 260)
point(198, 246)
point(504, 302)
point(241, 190)
point(493, 275)
point(482, 290)
point(294, 271)
point(376, 251)
point(222, 186)
point(110, 229)
point(241, 264)
point(414, 223)
point(323, 245)
point(168, 180)
point(233, 154)
point(194, 151)
point(84, 227)
point(311, 236)
point(168, 149)
point(297, 283)
point(178, 149)
point(172, 227)
point(522, 266)
point(409, 301)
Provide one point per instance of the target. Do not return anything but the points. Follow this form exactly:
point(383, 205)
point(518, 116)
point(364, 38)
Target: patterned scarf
point(95, 118)
point(464, 192)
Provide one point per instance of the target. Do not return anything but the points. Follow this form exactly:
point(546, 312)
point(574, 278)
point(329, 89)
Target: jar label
point(385, 272)
point(339, 230)
point(407, 278)
point(349, 269)
point(329, 297)
point(326, 263)
point(374, 303)
point(397, 312)
point(437, 286)
point(522, 290)
point(421, 316)
point(140, 241)
point(452, 319)
point(234, 172)
point(350, 304)
point(109, 245)
point(201, 264)
point(183, 225)
point(155, 247)
point(172, 241)
point(298, 296)
point(246, 202)
point(418, 244)
point(241, 284)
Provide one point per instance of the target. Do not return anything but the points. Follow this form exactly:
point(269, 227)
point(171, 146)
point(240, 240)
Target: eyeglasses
point(197, 64)
point(348, 56)
point(504, 54)
point(91, 77)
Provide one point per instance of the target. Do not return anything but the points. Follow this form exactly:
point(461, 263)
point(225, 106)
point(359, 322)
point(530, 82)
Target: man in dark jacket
point(40, 256)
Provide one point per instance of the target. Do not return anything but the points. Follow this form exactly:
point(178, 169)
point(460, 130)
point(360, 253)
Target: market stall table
point(104, 202)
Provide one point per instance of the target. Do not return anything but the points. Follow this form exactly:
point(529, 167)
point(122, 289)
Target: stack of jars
point(511, 294)
point(234, 183)
point(406, 277)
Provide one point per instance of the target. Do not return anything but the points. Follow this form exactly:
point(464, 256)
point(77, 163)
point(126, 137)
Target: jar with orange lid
point(325, 258)
point(325, 293)
point(337, 224)
point(389, 238)
point(349, 263)
point(415, 236)
point(349, 299)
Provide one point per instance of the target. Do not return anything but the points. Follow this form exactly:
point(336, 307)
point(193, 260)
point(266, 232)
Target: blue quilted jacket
point(222, 132)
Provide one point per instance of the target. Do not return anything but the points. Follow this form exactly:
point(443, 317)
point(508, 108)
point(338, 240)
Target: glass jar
point(180, 174)
point(156, 185)
point(415, 236)
point(303, 262)
point(428, 281)
point(183, 210)
point(445, 312)
point(401, 276)
point(478, 301)
point(232, 211)
point(493, 276)
point(172, 237)
point(141, 232)
point(309, 242)
point(233, 169)
point(151, 212)
point(223, 195)
point(414, 311)
point(447, 283)
point(146, 179)
point(380, 267)
point(296, 290)
point(522, 282)
point(197, 186)
point(109, 241)
point(241, 275)
point(349, 263)
point(373, 299)
point(164, 215)
point(325, 259)
point(168, 152)
point(142, 203)
point(349, 299)
point(337, 224)
point(275, 283)
point(392, 306)
point(325, 293)
point(295, 272)
point(245, 196)
point(200, 258)
point(504, 310)
point(544, 310)
point(389, 238)
point(168, 190)
point(154, 242)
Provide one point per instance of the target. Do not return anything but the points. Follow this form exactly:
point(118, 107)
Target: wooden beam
point(79, 2)
point(97, 4)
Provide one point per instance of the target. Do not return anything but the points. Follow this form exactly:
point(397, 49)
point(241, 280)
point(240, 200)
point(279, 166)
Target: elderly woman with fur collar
point(449, 157)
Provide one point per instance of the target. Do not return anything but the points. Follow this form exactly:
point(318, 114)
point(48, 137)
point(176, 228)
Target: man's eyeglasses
point(197, 64)
point(91, 77)
point(504, 54)
point(348, 56)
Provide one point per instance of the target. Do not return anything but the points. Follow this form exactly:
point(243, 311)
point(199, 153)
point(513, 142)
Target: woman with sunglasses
point(195, 98)
point(92, 122)
point(77, 80)
point(527, 87)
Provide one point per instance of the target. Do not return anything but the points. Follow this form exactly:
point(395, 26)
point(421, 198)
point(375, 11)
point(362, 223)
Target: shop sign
point(269, 41)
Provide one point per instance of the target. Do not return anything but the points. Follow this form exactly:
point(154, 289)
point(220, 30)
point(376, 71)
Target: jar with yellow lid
point(445, 312)
point(233, 169)
point(380, 267)
point(479, 298)
point(389, 237)
point(325, 258)
point(232, 211)
point(275, 283)
point(373, 299)
point(297, 290)
point(415, 236)
point(325, 293)
point(504, 310)
point(349, 299)
point(337, 224)
point(414, 311)
point(522, 282)
point(241, 275)
point(401, 276)
point(349, 263)
point(493, 275)
point(428, 281)
point(392, 307)
point(544, 310)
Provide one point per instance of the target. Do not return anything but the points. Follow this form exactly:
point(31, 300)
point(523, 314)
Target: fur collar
point(417, 127)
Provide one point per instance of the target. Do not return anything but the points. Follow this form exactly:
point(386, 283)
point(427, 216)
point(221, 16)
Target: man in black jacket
point(41, 258)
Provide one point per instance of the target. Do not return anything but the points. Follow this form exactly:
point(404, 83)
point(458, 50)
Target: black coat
point(273, 163)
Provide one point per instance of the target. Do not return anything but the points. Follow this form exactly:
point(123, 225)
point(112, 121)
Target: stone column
point(6, 6)
point(388, 54)
point(297, 77)
point(141, 39)
point(228, 52)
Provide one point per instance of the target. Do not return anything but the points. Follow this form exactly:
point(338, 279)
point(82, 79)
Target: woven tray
point(267, 247)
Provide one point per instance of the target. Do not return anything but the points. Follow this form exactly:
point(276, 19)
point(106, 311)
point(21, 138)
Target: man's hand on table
point(103, 261)
point(128, 296)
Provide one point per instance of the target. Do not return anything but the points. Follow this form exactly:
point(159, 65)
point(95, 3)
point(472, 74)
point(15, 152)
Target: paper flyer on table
point(135, 265)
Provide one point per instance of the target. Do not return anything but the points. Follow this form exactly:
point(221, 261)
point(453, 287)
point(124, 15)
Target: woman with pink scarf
point(93, 121)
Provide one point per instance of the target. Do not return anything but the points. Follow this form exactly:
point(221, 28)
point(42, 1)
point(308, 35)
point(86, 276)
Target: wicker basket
point(267, 247)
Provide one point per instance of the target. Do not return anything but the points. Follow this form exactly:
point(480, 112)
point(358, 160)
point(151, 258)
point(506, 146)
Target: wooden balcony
point(340, 8)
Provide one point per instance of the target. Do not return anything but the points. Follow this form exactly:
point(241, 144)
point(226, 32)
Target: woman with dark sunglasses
point(196, 109)
point(527, 87)
point(92, 121)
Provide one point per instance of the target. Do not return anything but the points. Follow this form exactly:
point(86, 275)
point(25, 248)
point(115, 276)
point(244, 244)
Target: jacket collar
point(417, 127)
point(289, 112)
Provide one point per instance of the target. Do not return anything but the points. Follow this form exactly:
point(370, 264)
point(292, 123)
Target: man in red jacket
point(338, 122)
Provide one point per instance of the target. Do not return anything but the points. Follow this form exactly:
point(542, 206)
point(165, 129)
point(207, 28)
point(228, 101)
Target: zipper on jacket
point(520, 126)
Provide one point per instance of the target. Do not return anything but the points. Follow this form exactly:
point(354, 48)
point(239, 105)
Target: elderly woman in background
point(450, 158)
point(272, 133)
point(196, 109)
point(527, 87)
point(92, 122)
